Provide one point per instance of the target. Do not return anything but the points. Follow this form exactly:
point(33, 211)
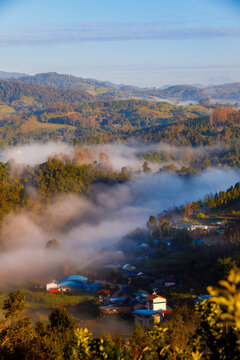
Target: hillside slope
point(107, 90)
point(11, 91)
point(11, 75)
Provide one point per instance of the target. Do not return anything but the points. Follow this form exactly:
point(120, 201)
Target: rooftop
point(154, 296)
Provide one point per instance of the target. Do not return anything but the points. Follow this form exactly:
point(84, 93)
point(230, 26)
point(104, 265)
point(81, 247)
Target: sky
point(147, 43)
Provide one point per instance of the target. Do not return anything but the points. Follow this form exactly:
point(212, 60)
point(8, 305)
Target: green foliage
point(211, 331)
point(45, 300)
point(61, 320)
point(227, 297)
point(181, 240)
point(146, 168)
point(14, 304)
point(51, 178)
point(219, 331)
point(12, 91)
point(58, 116)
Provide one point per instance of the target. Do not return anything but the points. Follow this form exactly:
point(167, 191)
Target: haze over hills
point(106, 90)
point(11, 75)
point(225, 92)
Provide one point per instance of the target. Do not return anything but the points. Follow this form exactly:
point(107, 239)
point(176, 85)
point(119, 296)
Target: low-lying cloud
point(120, 155)
point(84, 227)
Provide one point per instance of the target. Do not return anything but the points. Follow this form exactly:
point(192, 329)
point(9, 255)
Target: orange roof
point(154, 296)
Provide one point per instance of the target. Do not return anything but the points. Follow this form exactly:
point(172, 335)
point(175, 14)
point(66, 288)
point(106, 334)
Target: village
point(144, 308)
point(132, 290)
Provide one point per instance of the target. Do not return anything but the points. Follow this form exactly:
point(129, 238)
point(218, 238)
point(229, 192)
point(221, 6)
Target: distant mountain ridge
point(11, 75)
point(106, 90)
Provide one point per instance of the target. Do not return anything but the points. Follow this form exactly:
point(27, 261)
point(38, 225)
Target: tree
point(146, 168)
point(53, 244)
point(17, 333)
point(14, 305)
point(61, 320)
point(62, 328)
point(181, 240)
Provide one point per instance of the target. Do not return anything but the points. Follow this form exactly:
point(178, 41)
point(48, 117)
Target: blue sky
point(140, 42)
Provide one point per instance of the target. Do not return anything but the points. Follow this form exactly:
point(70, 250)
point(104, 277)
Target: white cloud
point(113, 32)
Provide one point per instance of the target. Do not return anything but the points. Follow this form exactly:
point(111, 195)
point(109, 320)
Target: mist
point(120, 154)
point(84, 227)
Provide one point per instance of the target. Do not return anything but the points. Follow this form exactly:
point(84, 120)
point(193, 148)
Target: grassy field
point(31, 124)
point(36, 300)
point(44, 300)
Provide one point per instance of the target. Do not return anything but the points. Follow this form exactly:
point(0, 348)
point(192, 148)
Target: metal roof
point(74, 278)
point(155, 296)
point(144, 312)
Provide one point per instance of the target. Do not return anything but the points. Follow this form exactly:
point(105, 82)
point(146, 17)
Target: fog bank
point(119, 154)
point(84, 226)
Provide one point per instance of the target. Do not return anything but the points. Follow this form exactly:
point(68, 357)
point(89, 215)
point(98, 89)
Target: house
point(170, 283)
point(161, 283)
point(144, 246)
point(53, 291)
point(137, 304)
point(124, 308)
point(109, 309)
point(64, 289)
point(191, 227)
point(156, 302)
point(128, 267)
point(103, 295)
point(153, 313)
point(71, 283)
point(129, 274)
point(146, 318)
point(198, 227)
point(52, 285)
point(104, 292)
point(117, 300)
point(75, 282)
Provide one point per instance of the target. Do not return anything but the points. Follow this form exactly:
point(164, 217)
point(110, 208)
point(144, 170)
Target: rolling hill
point(107, 90)
point(14, 91)
point(11, 75)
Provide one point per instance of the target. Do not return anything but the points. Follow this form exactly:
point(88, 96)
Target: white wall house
point(52, 285)
point(156, 302)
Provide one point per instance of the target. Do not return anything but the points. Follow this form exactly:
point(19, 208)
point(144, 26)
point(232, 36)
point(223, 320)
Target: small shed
point(64, 289)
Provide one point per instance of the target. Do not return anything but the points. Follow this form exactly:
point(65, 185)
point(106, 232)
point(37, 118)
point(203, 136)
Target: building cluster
point(72, 283)
point(147, 309)
point(217, 226)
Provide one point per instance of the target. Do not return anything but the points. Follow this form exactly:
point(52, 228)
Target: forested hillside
point(30, 112)
point(12, 92)
point(54, 177)
point(225, 92)
point(223, 125)
point(11, 75)
point(89, 122)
